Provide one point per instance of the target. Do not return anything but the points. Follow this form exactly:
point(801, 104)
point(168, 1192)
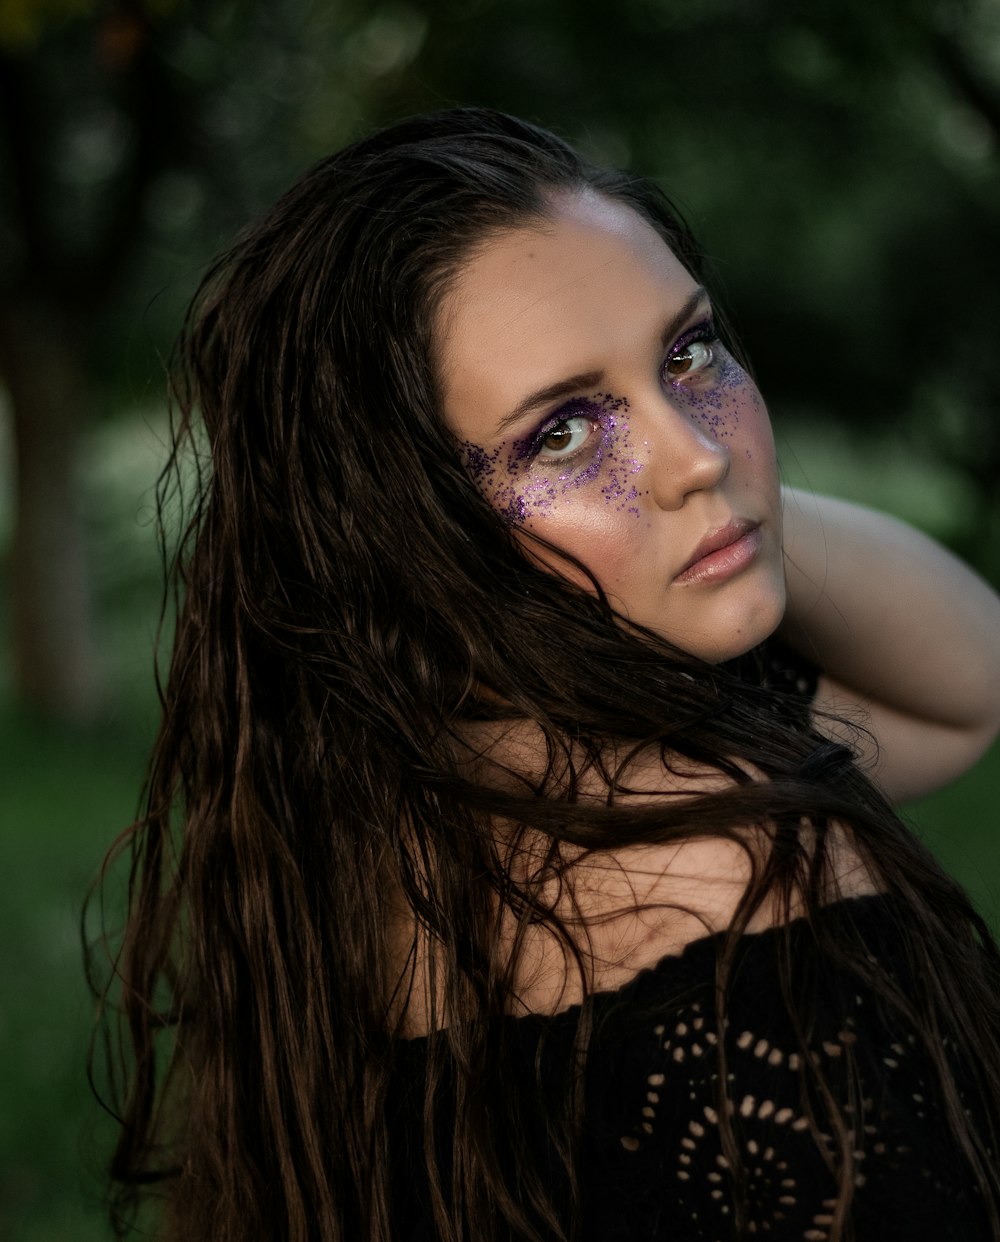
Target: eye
point(563, 437)
point(691, 354)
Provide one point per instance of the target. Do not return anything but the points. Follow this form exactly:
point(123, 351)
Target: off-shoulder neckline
point(863, 906)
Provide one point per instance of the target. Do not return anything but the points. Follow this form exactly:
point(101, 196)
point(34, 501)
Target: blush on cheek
point(520, 484)
point(604, 542)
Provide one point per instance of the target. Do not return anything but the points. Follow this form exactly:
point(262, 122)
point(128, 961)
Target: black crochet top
point(651, 1167)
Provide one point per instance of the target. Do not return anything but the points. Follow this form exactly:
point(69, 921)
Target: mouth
point(723, 553)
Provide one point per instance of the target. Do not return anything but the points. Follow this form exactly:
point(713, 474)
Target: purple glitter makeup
point(520, 482)
point(715, 407)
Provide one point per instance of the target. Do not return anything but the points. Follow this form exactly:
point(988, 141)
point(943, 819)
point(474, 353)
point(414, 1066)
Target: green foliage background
point(840, 162)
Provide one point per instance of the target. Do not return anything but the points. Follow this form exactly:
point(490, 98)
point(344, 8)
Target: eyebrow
point(590, 379)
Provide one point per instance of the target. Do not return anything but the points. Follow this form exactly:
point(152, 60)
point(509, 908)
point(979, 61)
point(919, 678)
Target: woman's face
point(595, 405)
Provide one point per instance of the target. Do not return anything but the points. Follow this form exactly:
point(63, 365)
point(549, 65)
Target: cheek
point(605, 539)
point(756, 444)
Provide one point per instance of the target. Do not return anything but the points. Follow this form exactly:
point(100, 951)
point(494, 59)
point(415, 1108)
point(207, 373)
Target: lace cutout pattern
point(789, 1187)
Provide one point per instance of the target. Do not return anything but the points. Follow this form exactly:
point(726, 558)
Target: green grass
point(70, 794)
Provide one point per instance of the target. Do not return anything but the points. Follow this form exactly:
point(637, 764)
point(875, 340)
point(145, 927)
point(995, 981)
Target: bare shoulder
point(624, 909)
point(638, 905)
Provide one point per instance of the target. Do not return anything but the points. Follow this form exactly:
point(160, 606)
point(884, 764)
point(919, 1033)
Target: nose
point(685, 456)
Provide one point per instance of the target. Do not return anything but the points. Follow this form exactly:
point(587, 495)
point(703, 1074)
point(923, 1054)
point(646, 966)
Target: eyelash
point(702, 333)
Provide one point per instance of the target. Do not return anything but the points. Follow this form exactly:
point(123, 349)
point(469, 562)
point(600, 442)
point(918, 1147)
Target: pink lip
point(723, 553)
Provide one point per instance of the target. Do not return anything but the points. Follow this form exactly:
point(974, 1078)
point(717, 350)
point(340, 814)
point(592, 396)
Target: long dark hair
point(347, 602)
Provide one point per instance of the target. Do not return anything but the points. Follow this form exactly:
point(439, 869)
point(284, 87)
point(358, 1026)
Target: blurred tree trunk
point(41, 362)
point(52, 649)
point(62, 272)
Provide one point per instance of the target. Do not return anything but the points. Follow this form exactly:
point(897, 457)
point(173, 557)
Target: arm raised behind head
point(907, 635)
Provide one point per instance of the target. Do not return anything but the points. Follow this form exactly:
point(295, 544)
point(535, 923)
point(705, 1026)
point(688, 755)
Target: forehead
point(586, 289)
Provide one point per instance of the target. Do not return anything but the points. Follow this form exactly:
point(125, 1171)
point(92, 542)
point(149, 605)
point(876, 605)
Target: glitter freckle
point(717, 407)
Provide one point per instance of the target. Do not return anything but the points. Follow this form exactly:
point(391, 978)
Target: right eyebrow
point(544, 396)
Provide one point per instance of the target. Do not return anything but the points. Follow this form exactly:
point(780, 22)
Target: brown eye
point(558, 438)
point(565, 436)
point(694, 356)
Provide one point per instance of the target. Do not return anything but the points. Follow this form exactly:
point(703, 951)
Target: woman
point(502, 873)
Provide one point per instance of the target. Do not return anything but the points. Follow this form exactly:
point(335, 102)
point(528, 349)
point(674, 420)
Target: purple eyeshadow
point(500, 473)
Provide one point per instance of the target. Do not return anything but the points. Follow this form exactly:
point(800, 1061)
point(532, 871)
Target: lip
point(722, 554)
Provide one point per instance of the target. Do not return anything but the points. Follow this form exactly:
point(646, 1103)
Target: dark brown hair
point(347, 602)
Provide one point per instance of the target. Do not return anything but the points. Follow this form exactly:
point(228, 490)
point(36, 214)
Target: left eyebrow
point(574, 384)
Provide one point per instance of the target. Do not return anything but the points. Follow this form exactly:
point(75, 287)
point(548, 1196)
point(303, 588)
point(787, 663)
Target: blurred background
point(840, 162)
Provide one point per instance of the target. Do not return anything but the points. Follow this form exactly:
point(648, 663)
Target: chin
point(737, 632)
